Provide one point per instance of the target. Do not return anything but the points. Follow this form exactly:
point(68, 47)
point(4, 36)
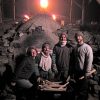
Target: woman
point(27, 70)
point(45, 62)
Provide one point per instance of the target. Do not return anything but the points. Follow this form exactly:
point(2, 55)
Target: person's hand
point(13, 83)
point(40, 80)
point(72, 81)
point(87, 76)
point(90, 74)
point(54, 68)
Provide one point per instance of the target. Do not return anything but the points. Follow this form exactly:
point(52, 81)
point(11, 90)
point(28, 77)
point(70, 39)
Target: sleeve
point(19, 68)
point(36, 70)
point(54, 56)
point(89, 58)
point(72, 62)
point(38, 58)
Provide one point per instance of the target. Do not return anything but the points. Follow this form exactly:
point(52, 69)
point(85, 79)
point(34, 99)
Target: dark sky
point(58, 7)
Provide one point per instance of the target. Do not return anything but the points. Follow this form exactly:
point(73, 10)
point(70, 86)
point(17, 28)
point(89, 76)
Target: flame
point(27, 17)
point(44, 3)
point(54, 17)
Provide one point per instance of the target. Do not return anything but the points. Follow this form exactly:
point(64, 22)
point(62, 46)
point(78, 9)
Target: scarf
point(45, 62)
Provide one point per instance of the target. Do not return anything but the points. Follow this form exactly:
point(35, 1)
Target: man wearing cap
point(82, 65)
point(61, 57)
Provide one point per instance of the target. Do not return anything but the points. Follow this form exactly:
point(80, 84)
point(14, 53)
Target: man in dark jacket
point(61, 57)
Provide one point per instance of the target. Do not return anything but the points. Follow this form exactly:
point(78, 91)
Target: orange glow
point(44, 3)
point(54, 17)
point(26, 16)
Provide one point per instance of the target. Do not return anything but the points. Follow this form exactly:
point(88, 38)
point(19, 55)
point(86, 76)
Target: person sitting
point(27, 69)
point(45, 62)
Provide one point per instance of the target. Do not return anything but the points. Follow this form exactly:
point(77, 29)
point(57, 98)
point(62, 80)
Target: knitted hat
point(63, 33)
point(79, 34)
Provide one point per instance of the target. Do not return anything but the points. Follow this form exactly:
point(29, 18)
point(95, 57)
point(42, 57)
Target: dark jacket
point(27, 68)
point(61, 57)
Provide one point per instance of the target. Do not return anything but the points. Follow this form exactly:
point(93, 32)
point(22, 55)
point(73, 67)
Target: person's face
point(46, 50)
point(79, 39)
point(34, 53)
point(63, 38)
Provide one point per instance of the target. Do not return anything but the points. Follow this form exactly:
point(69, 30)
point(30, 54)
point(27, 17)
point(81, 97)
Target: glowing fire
point(54, 17)
point(44, 3)
point(26, 16)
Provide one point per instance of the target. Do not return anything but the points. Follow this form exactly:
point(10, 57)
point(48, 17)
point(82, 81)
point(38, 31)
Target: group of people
point(63, 62)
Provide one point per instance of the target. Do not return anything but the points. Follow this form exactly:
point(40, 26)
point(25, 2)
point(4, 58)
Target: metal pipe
point(71, 4)
point(14, 10)
point(1, 19)
point(83, 11)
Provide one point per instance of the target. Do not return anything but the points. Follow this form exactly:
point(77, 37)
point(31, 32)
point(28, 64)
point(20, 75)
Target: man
point(82, 66)
point(61, 57)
